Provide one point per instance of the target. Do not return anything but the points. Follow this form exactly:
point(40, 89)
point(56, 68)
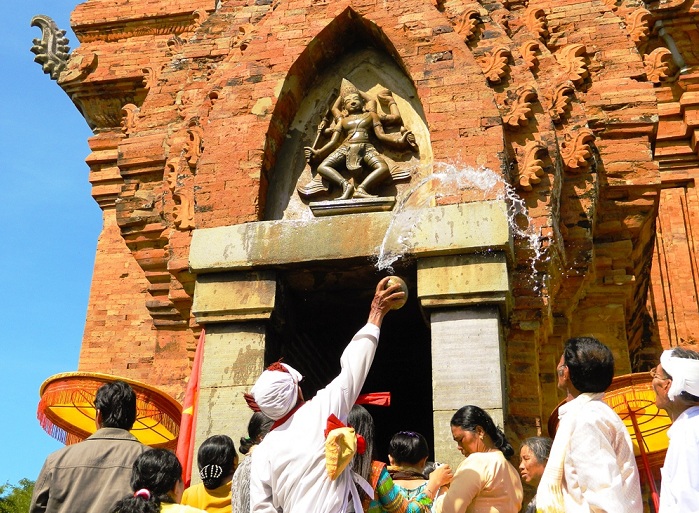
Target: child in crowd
point(157, 484)
point(217, 461)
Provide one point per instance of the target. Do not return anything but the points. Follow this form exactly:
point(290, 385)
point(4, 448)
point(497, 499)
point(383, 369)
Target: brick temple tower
point(587, 109)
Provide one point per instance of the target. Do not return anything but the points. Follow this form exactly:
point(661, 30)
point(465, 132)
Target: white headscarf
point(276, 392)
point(684, 372)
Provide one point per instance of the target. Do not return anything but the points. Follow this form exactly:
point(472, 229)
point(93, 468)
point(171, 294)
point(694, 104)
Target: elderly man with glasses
point(676, 385)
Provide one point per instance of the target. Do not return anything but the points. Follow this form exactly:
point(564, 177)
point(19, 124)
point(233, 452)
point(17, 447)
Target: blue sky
point(49, 231)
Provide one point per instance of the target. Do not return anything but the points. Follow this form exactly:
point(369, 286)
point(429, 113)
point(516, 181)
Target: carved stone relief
point(357, 141)
point(348, 160)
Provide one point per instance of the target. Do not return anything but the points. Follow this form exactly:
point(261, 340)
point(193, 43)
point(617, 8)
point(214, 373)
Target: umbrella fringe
point(166, 415)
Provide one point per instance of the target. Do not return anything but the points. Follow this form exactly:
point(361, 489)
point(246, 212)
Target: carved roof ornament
point(52, 50)
point(611, 4)
point(575, 150)
point(513, 4)
point(657, 64)
point(183, 211)
point(529, 50)
point(532, 168)
point(195, 145)
point(200, 16)
point(638, 23)
point(244, 36)
point(150, 77)
point(175, 45)
point(468, 24)
point(536, 22)
point(521, 109)
point(343, 156)
point(558, 102)
point(572, 59)
point(128, 122)
point(494, 65)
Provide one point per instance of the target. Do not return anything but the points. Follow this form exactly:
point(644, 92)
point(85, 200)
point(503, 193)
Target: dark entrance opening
point(317, 313)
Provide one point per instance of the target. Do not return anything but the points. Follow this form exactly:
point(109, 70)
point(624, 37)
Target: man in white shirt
point(288, 471)
point(591, 467)
point(676, 385)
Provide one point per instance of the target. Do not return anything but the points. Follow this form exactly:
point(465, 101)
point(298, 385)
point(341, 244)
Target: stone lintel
point(234, 297)
point(443, 230)
point(464, 280)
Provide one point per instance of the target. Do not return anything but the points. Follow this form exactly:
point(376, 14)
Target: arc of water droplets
point(451, 179)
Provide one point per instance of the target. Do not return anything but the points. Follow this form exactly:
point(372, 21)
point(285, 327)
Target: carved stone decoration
point(183, 210)
point(521, 109)
point(200, 16)
point(531, 169)
point(245, 35)
point(175, 45)
point(495, 64)
point(558, 102)
point(195, 145)
point(186, 100)
point(611, 4)
point(514, 4)
point(572, 59)
point(214, 95)
point(128, 122)
point(468, 24)
point(79, 67)
point(638, 23)
point(343, 155)
point(150, 77)
point(536, 22)
point(657, 64)
point(529, 50)
point(501, 18)
point(52, 49)
point(575, 150)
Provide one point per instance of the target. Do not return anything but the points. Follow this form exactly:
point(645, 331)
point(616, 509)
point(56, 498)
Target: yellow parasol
point(66, 409)
point(632, 397)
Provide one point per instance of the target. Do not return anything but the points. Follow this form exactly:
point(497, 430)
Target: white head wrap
point(276, 392)
point(684, 372)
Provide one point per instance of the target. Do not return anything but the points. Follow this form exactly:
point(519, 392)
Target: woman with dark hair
point(485, 480)
point(258, 426)
point(388, 496)
point(533, 456)
point(157, 484)
point(217, 461)
point(407, 454)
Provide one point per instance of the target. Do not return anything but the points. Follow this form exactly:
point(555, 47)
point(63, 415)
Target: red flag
point(185, 440)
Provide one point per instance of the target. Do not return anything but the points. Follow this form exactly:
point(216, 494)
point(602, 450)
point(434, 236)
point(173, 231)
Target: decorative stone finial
point(52, 50)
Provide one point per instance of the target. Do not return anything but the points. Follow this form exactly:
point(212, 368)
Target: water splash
point(447, 180)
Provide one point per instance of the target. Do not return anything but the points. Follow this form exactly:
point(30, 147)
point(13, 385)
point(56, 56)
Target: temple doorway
point(318, 311)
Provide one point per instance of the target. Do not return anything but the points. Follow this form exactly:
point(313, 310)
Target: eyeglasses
point(654, 374)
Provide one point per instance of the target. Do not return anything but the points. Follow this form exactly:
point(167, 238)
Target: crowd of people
point(317, 455)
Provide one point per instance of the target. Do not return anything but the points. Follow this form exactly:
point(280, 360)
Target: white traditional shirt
point(288, 470)
point(599, 471)
point(680, 487)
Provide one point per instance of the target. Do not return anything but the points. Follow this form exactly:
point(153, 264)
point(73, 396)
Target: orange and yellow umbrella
point(67, 412)
point(632, 397)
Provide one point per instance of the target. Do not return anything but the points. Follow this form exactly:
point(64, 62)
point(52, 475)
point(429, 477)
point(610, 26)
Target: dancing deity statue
point(350, 153)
